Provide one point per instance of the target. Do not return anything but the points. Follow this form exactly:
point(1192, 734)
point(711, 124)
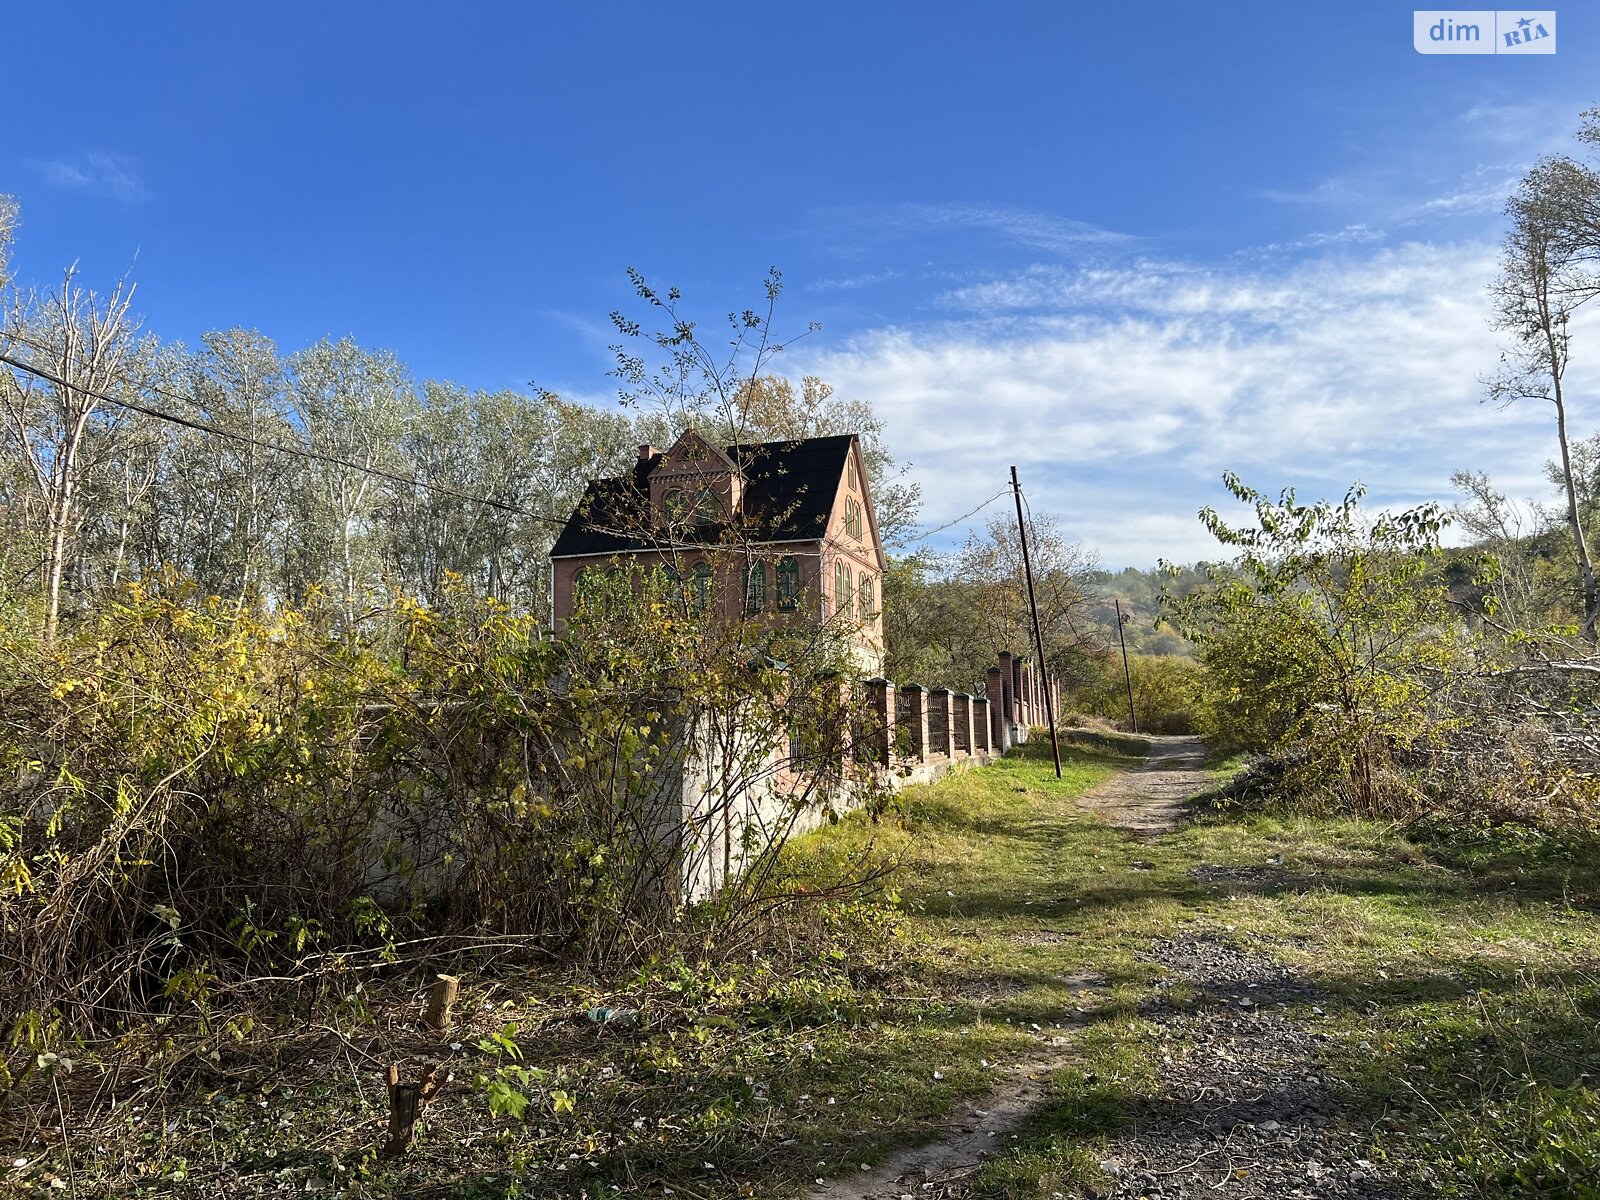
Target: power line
point(207, 427)
point(1038, 636)
point(261, 443)
point(963, 517)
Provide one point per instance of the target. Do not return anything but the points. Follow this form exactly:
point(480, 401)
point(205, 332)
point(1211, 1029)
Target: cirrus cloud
point(96, 173)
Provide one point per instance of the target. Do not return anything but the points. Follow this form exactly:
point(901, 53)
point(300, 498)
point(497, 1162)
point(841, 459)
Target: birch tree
point(352, 405)
point(86, 345)
point(234, 494)
point(1546, 274)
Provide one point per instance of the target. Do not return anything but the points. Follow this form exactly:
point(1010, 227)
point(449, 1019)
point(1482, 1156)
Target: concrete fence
point(906, 734)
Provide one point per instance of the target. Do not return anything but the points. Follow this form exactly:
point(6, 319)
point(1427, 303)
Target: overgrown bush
point(1331, 637)
point(1168, 692)
point(199, 799)
point(1332, 646)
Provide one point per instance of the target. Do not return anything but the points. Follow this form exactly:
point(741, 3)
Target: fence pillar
point(912, 715)
point(1018, 717)
point(1008, 693)
point(998, 720)
point(982, 729)
point(880, 706)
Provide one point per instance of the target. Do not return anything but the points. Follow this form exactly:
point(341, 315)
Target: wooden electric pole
point(1127, 675)
point(1038, 638)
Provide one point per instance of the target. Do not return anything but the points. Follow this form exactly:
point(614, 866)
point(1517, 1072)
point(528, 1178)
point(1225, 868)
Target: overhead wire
point(966, 516)
point(202, 426)
point(207, 427)
point(1028, 509)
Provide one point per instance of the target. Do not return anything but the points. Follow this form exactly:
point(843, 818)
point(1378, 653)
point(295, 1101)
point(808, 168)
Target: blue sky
point(1124, 247)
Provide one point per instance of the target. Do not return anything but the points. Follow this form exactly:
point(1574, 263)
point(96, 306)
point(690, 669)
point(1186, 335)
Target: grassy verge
point(1460, 979)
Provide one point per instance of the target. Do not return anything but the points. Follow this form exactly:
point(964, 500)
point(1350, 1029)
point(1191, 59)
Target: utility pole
point(1038, 638)
point(1126, 674)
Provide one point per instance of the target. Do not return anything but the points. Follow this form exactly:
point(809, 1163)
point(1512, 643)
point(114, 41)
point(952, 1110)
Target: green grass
point(1459, 969)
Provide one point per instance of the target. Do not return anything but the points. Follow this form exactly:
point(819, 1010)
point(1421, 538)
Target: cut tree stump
point(406, 1102)
point(441, 999)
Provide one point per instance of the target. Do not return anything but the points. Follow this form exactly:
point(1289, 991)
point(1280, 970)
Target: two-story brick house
point(750, 531)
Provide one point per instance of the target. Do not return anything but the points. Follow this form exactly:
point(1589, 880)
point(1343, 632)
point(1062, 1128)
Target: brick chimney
point(646, 452)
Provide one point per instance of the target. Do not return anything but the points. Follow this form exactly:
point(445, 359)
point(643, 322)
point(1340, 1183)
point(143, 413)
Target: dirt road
point(1149, 799)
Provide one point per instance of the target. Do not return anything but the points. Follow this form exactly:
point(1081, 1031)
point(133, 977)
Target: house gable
point(857, 527)
point(695, 482)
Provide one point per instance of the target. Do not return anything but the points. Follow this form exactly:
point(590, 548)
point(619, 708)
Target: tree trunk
point(1586, 577)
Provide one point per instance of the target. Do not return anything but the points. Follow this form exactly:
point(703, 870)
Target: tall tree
point(87, 346)
point(529, 456)
point(1545, 275)
point(1550, 268)
point(351, 406)
point(990, 564)
point(231, 498)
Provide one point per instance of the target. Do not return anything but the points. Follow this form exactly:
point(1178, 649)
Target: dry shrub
point(205, 806)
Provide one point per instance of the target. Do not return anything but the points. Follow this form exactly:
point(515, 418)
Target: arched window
point(674, 585)
point(843, 588)
point(701, 595)
point(868, 600)
point(675, 504)
point(706, 508)
point(850, 472)
point(788, 589)
point(755, 587)
point(852, 516)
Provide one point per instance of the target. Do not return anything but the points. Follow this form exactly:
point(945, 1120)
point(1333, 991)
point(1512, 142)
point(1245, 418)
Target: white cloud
point(850, 283)
point(844, 228)
point(1122, 392)
point(97, 173)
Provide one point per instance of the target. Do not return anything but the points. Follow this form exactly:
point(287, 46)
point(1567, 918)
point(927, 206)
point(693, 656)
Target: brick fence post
point(1019, 718)
point(913, 715)
point(982, 724)
point(999, 728)
point(963, 716)
point(1008, 695)
point(880, 703)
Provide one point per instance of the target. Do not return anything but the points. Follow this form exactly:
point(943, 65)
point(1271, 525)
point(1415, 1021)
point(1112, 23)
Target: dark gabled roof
point(789, 492)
